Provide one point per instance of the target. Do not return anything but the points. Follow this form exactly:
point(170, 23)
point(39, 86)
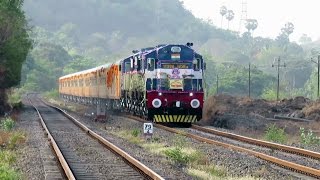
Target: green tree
point(14, 45)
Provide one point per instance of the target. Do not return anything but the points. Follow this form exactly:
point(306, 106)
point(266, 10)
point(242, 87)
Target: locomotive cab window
point(127, 66)
point(196, 64)
point(151, 64)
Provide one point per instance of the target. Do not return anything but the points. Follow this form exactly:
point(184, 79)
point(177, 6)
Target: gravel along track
point(298, 159)
point(87, 158)
point(115, 124)
point(306, 161)
point(35, 159)
point(237, 164)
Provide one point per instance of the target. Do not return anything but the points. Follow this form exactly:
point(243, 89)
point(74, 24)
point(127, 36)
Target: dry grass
point(313, 108)
point(212, 107)
point(4, 137)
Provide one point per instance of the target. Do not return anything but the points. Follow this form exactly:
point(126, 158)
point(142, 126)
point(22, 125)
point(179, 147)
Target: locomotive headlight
point(191, 94)
point(195, 103)
point(160, 93)
point(156, 103)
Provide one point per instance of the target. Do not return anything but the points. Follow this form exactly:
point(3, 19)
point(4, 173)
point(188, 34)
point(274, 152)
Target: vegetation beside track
point(180, 153)
point(9, 140)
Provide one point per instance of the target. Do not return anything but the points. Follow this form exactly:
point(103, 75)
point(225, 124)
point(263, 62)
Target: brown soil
point(251, 116)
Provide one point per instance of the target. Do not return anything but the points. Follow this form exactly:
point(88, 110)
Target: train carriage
point(163, 83)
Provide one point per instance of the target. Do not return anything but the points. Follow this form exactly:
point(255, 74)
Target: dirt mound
point(230, 112)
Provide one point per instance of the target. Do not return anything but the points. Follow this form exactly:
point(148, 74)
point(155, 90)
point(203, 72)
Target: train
point(164, 84)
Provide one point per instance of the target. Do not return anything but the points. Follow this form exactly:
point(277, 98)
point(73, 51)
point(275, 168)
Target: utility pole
point(278, 67)
point(318, 72)
point(249, 80)
point(244, 15)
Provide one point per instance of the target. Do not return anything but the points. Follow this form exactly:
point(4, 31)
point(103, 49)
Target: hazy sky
point(271, 15)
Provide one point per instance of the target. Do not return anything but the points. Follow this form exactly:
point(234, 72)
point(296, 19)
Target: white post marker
point(148, 129)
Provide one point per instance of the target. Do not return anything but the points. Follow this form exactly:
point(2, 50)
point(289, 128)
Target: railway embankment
point(252, 117)
point(203, 160)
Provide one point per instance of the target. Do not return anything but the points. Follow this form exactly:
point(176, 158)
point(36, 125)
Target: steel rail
point(56, 149)
point(271, 145)
point(143, 168)
point(280, 162)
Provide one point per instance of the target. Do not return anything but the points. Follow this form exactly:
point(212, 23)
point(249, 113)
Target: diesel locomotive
point(164, 83)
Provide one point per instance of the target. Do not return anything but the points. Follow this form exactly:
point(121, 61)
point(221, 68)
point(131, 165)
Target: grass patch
point(135, 133)
point(8, 156)
point(53, 94)
point(177, 156)
point(8, 173)
point(208, 172)
point(308, 137)
point(4, 138)
point(7, 124)
point(194, 161)
point(275, 134)
point(131, 136)
point(16, 139)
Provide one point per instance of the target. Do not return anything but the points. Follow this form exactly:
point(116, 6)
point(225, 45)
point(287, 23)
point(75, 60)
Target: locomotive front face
point(174, 84)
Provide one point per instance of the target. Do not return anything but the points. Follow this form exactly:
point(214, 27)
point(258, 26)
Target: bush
point(135, 132)
point(14, 99)
point(7, 124)
point(177, 155)
point(7, 173)
point(275, 134)
point(7, 158)
point(309, 137)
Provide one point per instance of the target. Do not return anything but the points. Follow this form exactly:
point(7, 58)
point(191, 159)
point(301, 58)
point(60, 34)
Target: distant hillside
point(166, 19)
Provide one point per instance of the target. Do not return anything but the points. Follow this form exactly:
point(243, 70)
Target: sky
point(272, 15)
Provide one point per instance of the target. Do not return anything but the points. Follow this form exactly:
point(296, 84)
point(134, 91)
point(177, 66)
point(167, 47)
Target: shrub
point(177, 155)
point(135, 132)
point(14, 99)
point(7, 173)
point(275, 134)
point(7, 124)
point(309, 137)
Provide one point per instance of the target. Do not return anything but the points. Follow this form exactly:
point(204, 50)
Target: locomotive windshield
point(174, 53)
point(164, 84)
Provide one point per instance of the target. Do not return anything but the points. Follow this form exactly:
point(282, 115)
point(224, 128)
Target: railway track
point(304, 169)
point(82, 153)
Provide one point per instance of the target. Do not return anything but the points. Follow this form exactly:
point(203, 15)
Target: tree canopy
point(14, 44)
